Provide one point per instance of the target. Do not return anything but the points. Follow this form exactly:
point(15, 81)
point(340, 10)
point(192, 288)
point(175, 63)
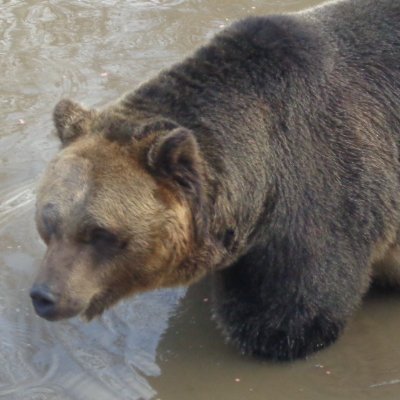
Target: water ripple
point(15, 201)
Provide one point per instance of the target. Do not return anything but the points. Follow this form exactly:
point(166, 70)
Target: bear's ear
point(70, 120)
point(176, 155)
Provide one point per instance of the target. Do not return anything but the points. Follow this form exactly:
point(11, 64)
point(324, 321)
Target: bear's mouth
point(55, 308)
point(97, 305)
point(51, 313)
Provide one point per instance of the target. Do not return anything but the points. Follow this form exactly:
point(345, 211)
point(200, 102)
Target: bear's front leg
point(283, 312)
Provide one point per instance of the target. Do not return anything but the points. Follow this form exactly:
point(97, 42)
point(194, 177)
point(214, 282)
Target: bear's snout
point(44, 301)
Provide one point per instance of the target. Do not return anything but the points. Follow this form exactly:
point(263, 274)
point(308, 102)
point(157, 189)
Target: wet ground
point(161, 345)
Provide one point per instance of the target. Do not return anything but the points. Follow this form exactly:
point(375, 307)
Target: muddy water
point(161, 345)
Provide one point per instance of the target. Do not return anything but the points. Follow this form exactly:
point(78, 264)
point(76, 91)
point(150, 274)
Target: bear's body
point(269, 158)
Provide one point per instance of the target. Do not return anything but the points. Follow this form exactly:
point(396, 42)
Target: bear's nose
point(44, 301)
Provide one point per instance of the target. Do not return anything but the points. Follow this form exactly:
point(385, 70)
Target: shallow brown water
point(161, 345)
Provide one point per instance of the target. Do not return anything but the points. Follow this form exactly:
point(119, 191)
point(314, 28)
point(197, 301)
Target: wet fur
point(292, 171)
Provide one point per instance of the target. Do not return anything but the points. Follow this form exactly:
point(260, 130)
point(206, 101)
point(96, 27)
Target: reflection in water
point(93, 52)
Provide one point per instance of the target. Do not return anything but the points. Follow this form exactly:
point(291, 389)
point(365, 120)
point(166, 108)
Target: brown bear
point(269, 158)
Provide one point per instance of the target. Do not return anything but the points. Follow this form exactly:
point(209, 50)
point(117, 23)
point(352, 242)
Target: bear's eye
point(48, 222)
point(100, 237)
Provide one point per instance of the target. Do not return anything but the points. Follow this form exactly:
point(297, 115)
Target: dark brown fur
point(270, 158)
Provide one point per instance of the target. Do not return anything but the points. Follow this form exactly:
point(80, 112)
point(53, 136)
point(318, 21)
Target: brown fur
point(151, 217)
point(269, 157)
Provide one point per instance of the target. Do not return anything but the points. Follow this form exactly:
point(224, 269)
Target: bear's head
point(120, 214)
